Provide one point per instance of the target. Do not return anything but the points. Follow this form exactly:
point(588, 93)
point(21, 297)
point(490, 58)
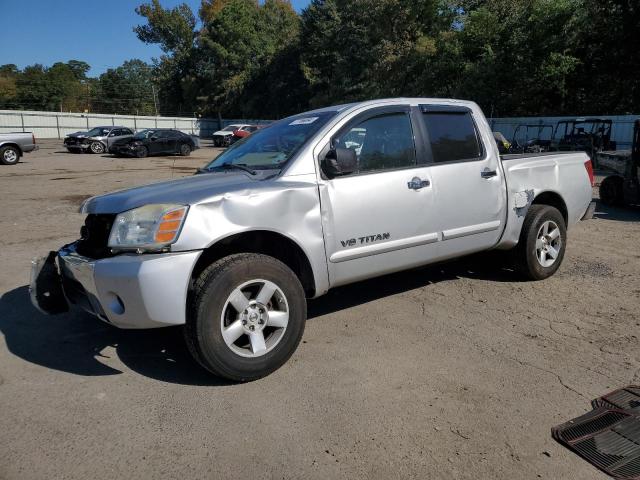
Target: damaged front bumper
point(128, 290)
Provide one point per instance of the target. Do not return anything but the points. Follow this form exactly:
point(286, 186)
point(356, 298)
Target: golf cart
point(590, 135)
point(623, 186)
point(531, 138)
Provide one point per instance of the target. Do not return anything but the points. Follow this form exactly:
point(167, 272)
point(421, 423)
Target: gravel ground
point(452, 371)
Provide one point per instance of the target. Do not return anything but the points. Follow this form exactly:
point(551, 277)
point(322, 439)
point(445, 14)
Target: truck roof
point(387, 101)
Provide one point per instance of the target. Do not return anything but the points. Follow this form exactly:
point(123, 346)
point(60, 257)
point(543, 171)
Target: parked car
point(96, 140)
point(155, 141)
point(14, 145)
point(291, 212)
point(222, 138)
point(242, 133)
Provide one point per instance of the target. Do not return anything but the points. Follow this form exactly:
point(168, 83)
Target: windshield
point(230, 128)
point(144, 134)
point(98, 132)
point(273, 146)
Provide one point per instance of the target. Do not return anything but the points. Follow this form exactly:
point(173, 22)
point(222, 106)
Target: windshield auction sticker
point(304, 121)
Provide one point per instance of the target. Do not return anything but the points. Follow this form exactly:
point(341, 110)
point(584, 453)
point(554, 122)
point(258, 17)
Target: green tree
point(250, 58)
point(8, 88)
point(174, 30)
point(356, 49)
point(126, 89)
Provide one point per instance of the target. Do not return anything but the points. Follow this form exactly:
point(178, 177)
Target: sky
point(97, 32)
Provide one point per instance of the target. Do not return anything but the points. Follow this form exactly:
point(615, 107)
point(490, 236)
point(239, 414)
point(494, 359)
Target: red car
point(242, 133)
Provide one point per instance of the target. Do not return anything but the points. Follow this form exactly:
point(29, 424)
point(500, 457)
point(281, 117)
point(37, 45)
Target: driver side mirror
point(339, 161)
point(154, 138)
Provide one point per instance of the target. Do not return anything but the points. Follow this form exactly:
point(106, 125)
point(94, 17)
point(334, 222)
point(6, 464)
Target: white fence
point(621, 129)
point(57, 125)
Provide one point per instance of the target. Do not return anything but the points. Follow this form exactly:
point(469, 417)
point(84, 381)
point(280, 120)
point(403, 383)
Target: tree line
point(261, 59)
point(65, 87)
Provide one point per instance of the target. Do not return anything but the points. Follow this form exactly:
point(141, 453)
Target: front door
point(380, 218)
point(468, 183)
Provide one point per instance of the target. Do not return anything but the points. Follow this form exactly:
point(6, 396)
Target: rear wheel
point(9, 155)
point(246, 317)
point(542, 243)
point(185, 149)
point(611, 191)
point(96, 147)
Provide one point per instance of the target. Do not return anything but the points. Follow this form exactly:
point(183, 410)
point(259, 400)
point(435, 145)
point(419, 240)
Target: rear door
point(468, 184)
point(380, 218)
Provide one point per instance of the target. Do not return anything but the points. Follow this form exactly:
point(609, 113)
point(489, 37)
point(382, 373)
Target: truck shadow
point(629, 213)
point(76, 342)
point(80, 344)
point(491, 266)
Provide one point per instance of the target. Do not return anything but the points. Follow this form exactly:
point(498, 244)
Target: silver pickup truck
point(314, 201)
point(14, 145)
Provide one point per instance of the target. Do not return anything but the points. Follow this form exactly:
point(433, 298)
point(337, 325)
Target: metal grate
point(95, 236)
point(608, 437)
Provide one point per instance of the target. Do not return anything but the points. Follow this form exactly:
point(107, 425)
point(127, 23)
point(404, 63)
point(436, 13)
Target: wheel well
point(268, 243)
point(14, 145)
point(553, 200)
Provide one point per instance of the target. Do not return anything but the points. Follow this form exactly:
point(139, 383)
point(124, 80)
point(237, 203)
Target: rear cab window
point(452, 133)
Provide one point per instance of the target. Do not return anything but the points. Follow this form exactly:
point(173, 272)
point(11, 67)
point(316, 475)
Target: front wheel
point(246, 317)
point(142, 151)
point(96, 147)
point(9, 155)
point(542, 243)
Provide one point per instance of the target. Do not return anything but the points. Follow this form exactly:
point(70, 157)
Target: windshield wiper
point(239, 166)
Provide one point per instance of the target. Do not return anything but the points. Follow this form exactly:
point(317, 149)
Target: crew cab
point(315, 201)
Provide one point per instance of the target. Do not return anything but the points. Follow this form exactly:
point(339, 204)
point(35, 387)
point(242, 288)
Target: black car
point(154, 141)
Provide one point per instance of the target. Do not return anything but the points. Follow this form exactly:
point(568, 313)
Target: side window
point(126, 131)
point(384, 142)
point(453, 136)
point(116, 132)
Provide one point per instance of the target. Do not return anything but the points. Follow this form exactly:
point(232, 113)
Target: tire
point(142, 151)
point(611, 191)
point(543, 235)
point(211, 309)
point(185, 149)
point(9, 155)
point(96, 147)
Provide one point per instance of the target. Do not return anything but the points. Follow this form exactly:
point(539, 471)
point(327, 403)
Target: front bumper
point(125, 150)
point(77, 146)
point(128, 290)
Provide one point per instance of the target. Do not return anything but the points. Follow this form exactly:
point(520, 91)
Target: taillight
point(589, 168)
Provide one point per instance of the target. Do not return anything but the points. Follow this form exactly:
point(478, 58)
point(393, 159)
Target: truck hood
point(182, 191)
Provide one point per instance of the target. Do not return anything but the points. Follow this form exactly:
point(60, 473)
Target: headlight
point(150, 227)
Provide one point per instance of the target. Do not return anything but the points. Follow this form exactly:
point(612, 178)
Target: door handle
point(486, 173)
point(417, 183)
